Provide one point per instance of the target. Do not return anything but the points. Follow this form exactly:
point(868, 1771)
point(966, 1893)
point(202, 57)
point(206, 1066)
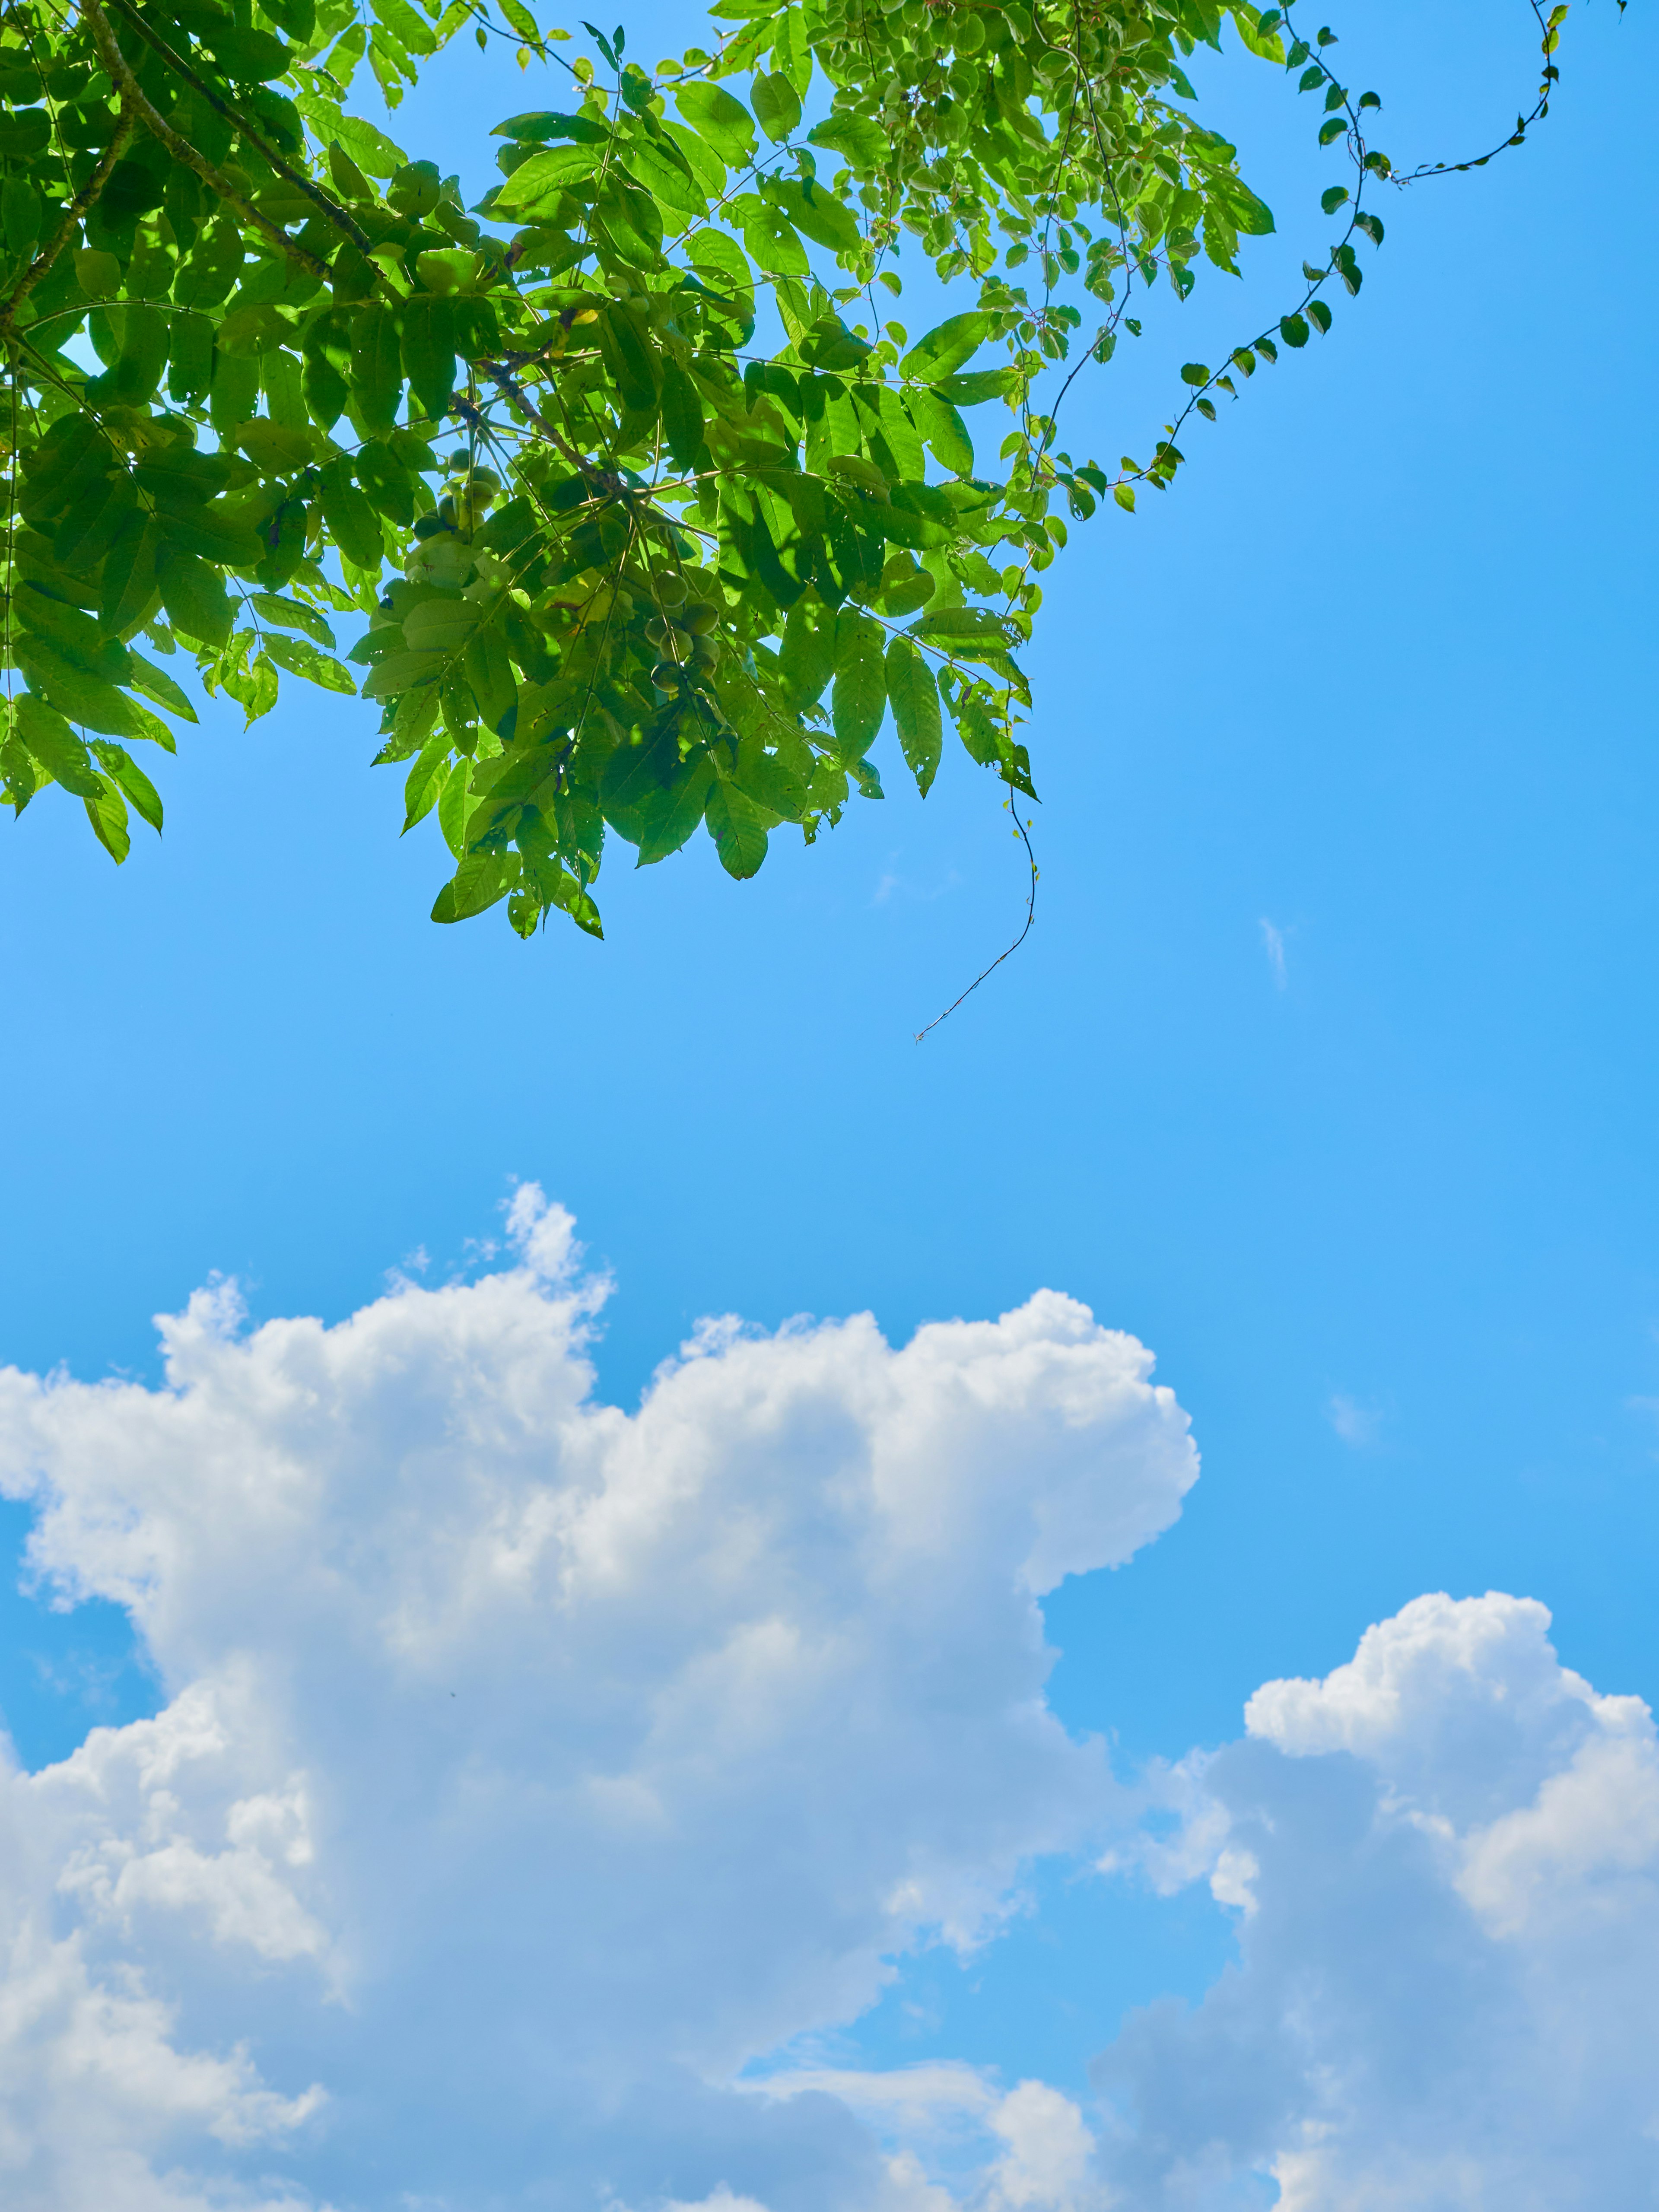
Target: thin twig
point(1030, 916)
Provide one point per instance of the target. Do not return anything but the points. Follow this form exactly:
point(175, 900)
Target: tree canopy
point(655, 506)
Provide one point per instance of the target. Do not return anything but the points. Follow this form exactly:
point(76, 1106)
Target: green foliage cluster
point(654, 506)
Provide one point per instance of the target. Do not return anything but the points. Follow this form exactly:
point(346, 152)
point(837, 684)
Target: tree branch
point(507, 382)
point(66, 229)
point(136, 104)
point(330, 209)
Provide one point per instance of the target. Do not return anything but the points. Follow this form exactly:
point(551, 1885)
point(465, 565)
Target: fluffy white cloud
point(526, 1767)
point(1448, 1993)
point(1030, 2150)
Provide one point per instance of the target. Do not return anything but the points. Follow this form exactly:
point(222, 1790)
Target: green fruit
point(699, 618)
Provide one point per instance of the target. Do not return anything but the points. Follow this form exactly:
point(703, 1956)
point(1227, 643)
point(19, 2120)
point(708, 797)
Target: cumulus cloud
point(1028, 2150)
point(528, 1768)
point(1446, 1998)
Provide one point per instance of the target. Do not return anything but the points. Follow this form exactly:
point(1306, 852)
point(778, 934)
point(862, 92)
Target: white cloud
point(1448, 1993)
point(1357, 1424)
point(1032, 2147)
point(528, 1768)
point(1273, 942)
point(1049, 2155)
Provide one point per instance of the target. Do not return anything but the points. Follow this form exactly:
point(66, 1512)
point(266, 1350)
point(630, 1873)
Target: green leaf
point(352, 523)
point(155, 684)
point(635, 774)
point(736, 824)
point(544, 176)
point(953, 627)
point(669, 818)
point(81, 697)
point(944, 430)
point(625, 343)
point(1330, 201)
point(428, 350)
point(543, 124)
point(481, 879)
point(300, 658)
point(775, 788)
point(235, 391)
point(714, 115)
point(439, 625)
point(1320, 316)
point(777, 109)
point(1267, 44)
point(814, 211)
point(661, 169)
point(246, 56)
point(140, 332)
point(489, 671)
point(252, 684)
point(1293, 329)
point(119, 764)
point(50, 739)
point(945, 347)
point(190, 359)
point(721, 260)
point(914, 694)
point(1250, 217)
point(860, 698)
point(215, 533)
point(371, 149)
point(632, 222)
point(20, 213)
point(107, 814)
point(682, 416)
point(399, 670)
point(348, 179)
point(129, 585)
point(194, 596)
point(376, 377)
point(253, 329)
point(289, 613)
point(807, 658)
point(978, 386)
point(861, 141)
point(521, 21)
point(771, 243)
point(425, 779)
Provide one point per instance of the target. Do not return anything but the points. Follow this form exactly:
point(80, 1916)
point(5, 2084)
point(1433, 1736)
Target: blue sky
point(1328, 1070)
